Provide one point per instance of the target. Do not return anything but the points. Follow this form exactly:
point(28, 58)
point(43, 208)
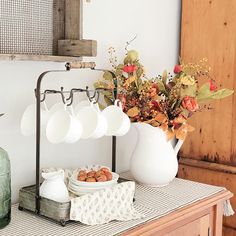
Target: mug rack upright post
point(68, 67)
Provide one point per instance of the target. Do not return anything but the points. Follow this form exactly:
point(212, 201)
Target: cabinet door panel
point(198, 227)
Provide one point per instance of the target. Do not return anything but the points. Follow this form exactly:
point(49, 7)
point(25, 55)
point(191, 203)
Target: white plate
point(80, 192)
point(81, 189)
point(75, 192)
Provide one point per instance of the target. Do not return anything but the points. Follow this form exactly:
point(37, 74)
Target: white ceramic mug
point(28, 120)
point(63, 127)
point(93, 122)
point(118, 122)
point(81, 105)
point(56, 107)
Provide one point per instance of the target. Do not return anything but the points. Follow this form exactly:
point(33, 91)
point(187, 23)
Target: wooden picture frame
point(68, 42)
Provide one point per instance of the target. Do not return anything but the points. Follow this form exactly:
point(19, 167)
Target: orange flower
point(154, 90)
point(190, 103)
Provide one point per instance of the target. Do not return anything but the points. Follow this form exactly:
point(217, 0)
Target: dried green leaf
point(131, 57)
point(101, 106)
point(100, 84)
point(164, 76)
point(185, 113)
point(108, 76)
point(222, 93)
point(139, 72)
point(204, 93)
point(190, 90)
point(108, 94)
point(108, 101)
point(119, 70)
point(161, 86)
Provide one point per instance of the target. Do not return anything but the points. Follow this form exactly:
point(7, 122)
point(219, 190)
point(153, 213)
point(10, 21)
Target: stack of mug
point(63, 123)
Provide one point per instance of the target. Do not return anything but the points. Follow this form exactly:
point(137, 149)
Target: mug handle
point(45, 106)
point(95, 105)
point(72, 111)
point(118, 104)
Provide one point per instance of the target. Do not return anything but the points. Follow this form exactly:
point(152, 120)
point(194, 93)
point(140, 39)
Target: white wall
point(111, 23)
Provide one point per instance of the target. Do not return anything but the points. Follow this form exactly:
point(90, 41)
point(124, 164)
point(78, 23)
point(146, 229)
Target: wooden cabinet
point(199, 227)
point(203, 218)
point(209, 153)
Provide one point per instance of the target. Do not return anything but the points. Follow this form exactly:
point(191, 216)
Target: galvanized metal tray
point(57, 211)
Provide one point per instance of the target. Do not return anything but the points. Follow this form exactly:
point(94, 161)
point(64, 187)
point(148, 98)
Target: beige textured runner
point(153, 202)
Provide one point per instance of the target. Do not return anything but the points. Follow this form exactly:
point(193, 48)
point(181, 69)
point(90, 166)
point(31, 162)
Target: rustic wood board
point(208, 30)
point(58, 23)
point(77, 47)
point(73, 20)
point(24, 57)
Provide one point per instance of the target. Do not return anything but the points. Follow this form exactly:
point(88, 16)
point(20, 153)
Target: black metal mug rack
point(40, 97)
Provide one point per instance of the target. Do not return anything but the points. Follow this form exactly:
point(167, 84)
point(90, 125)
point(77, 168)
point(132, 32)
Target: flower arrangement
point(166, 101)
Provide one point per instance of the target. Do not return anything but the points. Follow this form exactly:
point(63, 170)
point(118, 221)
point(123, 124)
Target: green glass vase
point(5, 189)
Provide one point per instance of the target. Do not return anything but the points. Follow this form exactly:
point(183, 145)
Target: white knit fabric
point(115, 203)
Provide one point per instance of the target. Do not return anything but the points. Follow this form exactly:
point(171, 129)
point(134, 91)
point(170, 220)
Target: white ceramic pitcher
point(154, 160)
point(53, 186)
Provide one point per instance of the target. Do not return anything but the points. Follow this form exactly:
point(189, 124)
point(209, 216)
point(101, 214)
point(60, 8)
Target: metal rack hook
point(71, 97)
point(44, 96)
point(62, 95)
point(97, 92)
point(95, 97)
point(88, 94)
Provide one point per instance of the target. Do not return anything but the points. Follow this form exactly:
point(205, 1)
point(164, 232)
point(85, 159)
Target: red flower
point(190, 103)
point(177, 69)
point(129, 68)
point(155, 104)
point(213, 86)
